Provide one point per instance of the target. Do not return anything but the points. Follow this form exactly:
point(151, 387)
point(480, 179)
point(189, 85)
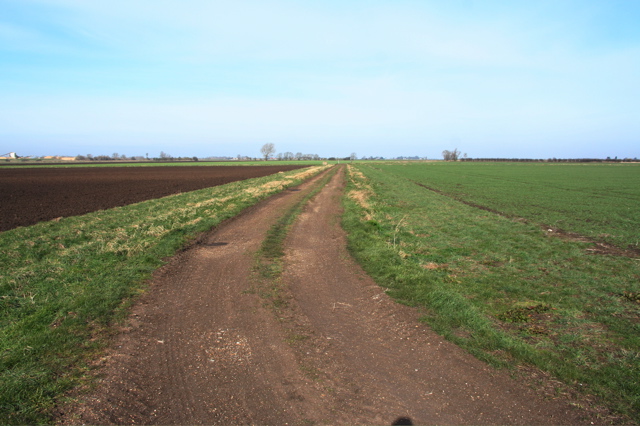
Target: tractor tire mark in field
point(599, 247)
point(205, 348)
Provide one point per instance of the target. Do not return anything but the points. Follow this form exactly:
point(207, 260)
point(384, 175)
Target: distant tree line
point(455, 156)
point(554, 160)
point(413, 157)
point(290, 156)
point(268, 150)
point(121, 157)
point(114, 157)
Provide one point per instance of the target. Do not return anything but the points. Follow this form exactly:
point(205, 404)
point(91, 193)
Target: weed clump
point(523, 313)
point(632, 296)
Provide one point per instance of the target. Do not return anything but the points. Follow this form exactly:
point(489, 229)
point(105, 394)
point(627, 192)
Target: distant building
point(14, 156)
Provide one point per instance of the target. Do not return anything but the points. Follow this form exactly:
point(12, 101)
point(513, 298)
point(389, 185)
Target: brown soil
point(32, 195)
point(207, 345)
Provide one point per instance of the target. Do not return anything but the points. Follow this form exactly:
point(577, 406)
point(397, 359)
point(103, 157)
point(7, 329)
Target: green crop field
point(65, 284)
point(599, 201)
point(477, 246)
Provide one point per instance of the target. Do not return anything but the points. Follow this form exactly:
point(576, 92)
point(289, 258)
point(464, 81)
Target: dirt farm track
point(205, 346)
point(214, 341)
point(32, 195)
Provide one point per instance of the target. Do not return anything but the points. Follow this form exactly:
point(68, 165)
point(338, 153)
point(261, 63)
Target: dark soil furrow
point(32, 195)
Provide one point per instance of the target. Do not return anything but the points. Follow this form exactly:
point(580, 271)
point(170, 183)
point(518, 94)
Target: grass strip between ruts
point(270, 256)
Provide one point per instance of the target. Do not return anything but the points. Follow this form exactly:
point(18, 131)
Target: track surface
point(32, 195)
point(204, 347)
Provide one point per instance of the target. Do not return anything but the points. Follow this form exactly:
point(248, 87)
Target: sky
point(492, 78)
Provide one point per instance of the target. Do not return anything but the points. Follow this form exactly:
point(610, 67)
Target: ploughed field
point(32, 195)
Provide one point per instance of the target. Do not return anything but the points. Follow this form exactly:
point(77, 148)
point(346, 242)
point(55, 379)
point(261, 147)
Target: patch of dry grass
point(361, 192)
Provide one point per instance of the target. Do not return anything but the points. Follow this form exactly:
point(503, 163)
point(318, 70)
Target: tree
point(451, 155)
point(267, 150)
point(353, 156)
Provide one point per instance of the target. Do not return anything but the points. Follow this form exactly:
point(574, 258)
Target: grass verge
point(65, 284)
point(503, 289)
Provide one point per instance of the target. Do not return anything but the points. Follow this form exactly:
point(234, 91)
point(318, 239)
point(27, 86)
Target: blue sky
point(508, 78)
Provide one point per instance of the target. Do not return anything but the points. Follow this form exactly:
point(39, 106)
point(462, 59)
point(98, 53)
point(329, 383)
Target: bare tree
point(451, 155)
point(353, 157)
point(268, 149)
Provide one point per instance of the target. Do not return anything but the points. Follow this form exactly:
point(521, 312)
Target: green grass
point(599, 201)
point(65, 284)
point(503, 288)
